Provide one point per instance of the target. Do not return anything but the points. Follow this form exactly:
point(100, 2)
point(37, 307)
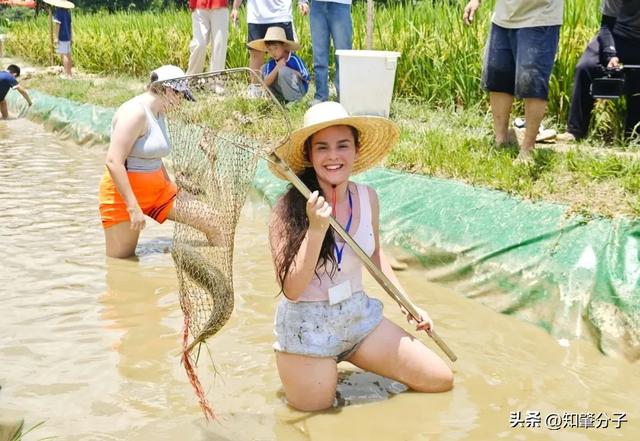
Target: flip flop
point(546, 135)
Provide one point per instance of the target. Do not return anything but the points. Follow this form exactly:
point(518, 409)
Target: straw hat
point(173, 77)
point(376, 136)
point(60, 4)
point(274, 33)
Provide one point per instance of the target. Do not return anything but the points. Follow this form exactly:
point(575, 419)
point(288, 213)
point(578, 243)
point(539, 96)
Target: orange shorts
point(155, 195)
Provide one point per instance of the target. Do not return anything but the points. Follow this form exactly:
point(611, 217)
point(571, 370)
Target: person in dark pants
point(518, 61)
point(617, 43)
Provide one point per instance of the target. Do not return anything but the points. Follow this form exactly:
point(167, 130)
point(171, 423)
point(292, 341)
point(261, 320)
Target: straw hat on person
point(376, 136)
point(60, 4)
point(274, 33)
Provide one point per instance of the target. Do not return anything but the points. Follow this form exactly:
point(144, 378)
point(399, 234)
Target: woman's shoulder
point(131, 111)
point(132, 105)
point(364, 187)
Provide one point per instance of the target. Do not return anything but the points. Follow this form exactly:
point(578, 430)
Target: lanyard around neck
point(341, 249)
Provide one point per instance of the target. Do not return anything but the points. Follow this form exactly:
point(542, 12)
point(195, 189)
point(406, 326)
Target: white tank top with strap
point(148, 150)
point(350, 267)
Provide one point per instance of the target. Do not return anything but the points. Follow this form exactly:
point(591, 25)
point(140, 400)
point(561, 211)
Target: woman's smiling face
point(332, 153)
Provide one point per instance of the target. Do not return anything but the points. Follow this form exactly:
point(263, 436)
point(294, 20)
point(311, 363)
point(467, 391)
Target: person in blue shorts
point(63, 34)
point(7, 82)
point(518, 61)
point(285, 73)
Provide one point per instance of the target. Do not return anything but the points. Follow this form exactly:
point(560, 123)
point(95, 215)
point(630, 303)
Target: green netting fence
point(576, 277)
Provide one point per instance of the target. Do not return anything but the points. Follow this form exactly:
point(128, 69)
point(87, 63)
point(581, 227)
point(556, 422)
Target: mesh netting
point(218, 138)
point(218, 135)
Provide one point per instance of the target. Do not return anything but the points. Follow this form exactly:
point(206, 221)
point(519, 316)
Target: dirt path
point(596, 151)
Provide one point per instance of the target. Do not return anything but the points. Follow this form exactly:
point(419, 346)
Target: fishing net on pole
point(218, 135)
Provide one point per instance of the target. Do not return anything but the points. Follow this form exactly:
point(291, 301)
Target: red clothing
point(207, 4)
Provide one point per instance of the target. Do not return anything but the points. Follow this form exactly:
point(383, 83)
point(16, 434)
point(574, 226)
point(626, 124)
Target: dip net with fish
point(217, 140)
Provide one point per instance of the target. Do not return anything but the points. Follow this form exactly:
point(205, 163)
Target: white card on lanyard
point(340, 293)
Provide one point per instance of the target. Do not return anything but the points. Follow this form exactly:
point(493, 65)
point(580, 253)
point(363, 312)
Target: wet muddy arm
point(24, 94)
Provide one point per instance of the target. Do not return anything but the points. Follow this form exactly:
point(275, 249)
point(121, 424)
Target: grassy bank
point(450, 143)
point(440, 63)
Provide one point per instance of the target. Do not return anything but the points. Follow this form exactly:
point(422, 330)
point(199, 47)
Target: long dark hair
point(294, 222)
point(294, 225)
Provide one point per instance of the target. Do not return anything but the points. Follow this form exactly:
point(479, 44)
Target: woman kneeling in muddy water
point(325, 317)
point(136, 182)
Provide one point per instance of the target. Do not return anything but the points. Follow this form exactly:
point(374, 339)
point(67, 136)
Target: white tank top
point(148, 150)
point(350, 267)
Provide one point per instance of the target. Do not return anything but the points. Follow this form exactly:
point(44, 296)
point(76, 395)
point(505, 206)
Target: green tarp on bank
point(574, 277)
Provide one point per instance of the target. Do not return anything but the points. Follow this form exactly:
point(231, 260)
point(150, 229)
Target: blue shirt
point(7, 81)
point(294, 62)
point(63, 17)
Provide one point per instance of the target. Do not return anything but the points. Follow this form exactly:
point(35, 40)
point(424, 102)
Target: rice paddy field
point(438, 101)
point(100, 361)
point(440, 63)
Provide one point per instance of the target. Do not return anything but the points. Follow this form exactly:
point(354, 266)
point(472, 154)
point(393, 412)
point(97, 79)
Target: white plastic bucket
point(366, 81)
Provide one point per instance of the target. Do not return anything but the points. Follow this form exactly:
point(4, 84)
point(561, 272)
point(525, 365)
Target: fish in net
point(218, 134)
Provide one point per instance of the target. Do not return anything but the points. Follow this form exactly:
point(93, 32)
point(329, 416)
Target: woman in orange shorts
point(136, 182)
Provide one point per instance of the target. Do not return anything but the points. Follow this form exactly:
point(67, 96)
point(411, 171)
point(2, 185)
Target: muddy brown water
point(90, 346)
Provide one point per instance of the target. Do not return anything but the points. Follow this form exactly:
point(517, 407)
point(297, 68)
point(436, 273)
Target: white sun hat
point(173, 77)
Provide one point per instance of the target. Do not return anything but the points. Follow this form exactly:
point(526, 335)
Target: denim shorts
point(318, 329)
point(519, 61)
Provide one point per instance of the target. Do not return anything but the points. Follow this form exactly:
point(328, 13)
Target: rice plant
point(440, 64)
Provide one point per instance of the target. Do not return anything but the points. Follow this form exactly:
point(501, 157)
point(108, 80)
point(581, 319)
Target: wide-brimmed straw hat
point(274, 33)
point(173, 77)
point(376, 136)
point(60, 4)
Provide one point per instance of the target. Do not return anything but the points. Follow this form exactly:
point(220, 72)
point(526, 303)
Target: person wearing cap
point(285, 73)
point(519, 58)
point(7, 82)
point(325, 316)
point(209, 20)
point(261, 15)
point(135, 182)
point(63, 34)
point(617, 43)
point(328, 20)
